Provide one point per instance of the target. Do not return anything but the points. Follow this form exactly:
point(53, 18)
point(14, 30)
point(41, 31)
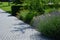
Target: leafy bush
point(22, 14)
point(50, 25)
point(49, 10)
point(30, 16)
point(35, 5)
point(27, 15)
point(18, 1)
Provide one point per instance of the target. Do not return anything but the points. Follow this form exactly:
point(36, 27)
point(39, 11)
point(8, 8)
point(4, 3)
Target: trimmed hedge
point(15, 9)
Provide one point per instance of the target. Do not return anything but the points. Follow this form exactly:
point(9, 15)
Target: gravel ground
point(13, 29)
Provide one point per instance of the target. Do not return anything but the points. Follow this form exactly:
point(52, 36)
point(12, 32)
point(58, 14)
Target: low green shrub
point(30, 16)
point(27, 15)
point(22, 14)
point(50, 25)
point(48, 10)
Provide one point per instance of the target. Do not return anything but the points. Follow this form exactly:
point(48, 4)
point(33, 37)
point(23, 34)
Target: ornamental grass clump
point(50, 25)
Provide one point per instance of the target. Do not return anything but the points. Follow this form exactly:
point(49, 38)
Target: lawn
point(6, 7)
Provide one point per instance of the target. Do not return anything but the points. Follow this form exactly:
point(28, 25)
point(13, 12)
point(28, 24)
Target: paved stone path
point(13, 29)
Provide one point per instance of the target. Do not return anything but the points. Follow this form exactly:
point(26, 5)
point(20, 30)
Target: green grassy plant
point(50, 26)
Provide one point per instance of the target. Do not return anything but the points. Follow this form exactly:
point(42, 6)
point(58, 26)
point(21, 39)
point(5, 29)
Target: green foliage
point(17, 1)
point(22, 14)
point(30, 16)
point(35, 5)
point(50, 25)
point(15, 9)
point(5, 6)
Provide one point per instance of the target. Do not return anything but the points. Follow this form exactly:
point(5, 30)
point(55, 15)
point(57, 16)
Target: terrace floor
point(13, 29)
